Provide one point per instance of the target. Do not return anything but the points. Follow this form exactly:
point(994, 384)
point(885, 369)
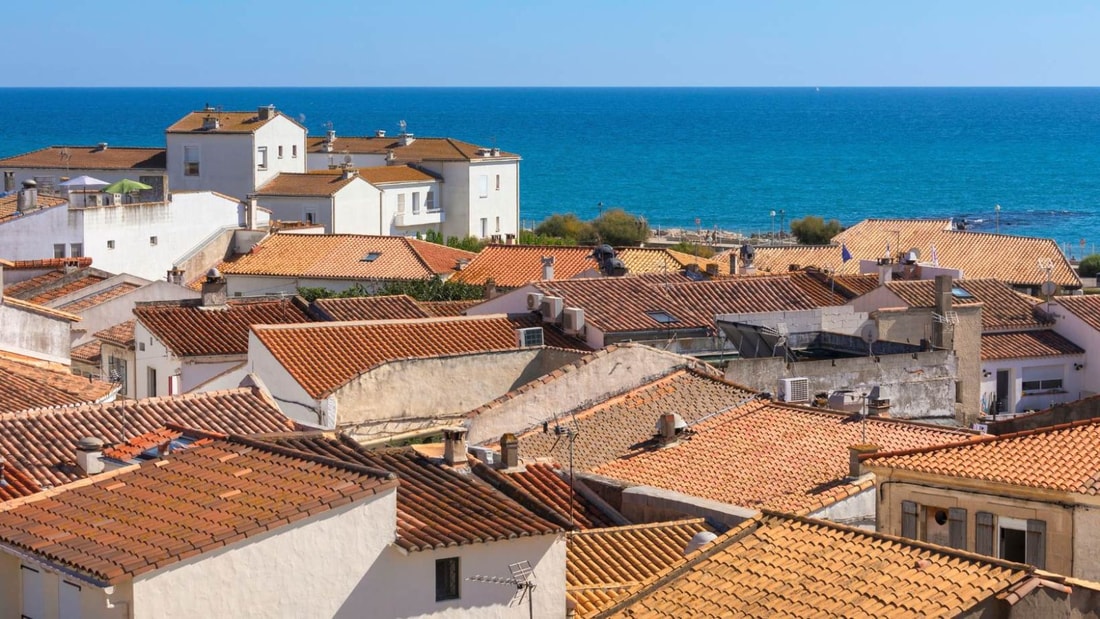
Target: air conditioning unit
point(794, 389)
point(534, 301)
point(572, 320)
point(531, 337)
point(551, 309)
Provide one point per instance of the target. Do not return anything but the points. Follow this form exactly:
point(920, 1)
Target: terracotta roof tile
point(9, 205)
point(1002, 307)
point(421, 149)
point(87, 353)
point(342, 256)
point(188, 329)
point(1086, 307)
point(1069, 453)
point(1026, 344)
point(90, 158)
point(763, 454)
point(305, 184)
point(604, 565)
point(41, 310)
point(542, 489)
point(193, 502)
point(355, 347)
point(437, 506)
point(121, 334)
point(788, 567)
point(54, 284)
point(380, 175)
point(31, 385)
point(48, 263)
point(391, 307)
point(1003, 257)
point(15, 483)
point(107, 294)
point(228, 122)
point(43, 441)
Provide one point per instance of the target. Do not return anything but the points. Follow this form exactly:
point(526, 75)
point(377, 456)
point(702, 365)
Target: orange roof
point(352, 348)
point(98, 298)
point(544, 490)
point(343, 256)
point(1002, 307)
point(421, 149)
point(1069, 453)
point(604, 565)
point(380, 175)
point(87, 353)
point(764, 454)
point(90, 158)
point(10, 204)
point(195, 501)
point(321, 183)
point(228, 122)
point(42, 442)
point(15, 484)
point(784, 566)
point(391, 307)
point(121, 334)
point(512, 266)
point(188, 329)
point(41, 310)
point(49, 263)
point(25, 385)
point(1011, 259)
point(54, 284)
point(1027, 344)
point(1086, 307)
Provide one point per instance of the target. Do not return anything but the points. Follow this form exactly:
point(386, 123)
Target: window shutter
point(909, 519)
point(983, 533)
point(957, 520)
point(1036, 548)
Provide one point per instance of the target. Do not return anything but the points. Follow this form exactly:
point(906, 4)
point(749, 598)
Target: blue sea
point(725, 157)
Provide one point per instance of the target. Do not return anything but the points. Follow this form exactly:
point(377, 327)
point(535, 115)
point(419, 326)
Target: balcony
point(418, 217)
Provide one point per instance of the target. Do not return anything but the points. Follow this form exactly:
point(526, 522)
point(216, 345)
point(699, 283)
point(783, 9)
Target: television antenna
point(570, 433)
point(522, 578)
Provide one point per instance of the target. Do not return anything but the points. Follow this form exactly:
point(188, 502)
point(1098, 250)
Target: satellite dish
point(347, 158)
point(1048, 288)
point(869, 333)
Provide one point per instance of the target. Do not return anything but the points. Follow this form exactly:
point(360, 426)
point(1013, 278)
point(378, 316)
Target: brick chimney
point(854, 452)
point(214, 290)
point(509, 451)
point(454, 446)
point(175, 276)
point(89, 452)
point(547, 267)
point(942, 336)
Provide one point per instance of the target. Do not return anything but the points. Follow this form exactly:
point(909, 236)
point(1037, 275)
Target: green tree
point(568, 227)
point(813, 230)
point(695, 249)
point(529, 237)
point(617, 227)
point(1090, 266)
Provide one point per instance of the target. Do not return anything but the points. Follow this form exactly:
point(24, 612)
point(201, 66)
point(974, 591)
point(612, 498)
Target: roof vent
point(379, 133)
point(101, 146)
point(210, 122)
point(89, 451)
point(669, 428)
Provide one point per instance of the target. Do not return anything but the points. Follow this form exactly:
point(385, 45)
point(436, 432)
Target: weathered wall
point(120, 309)
point(1061, 366)
point(857, 510)
point(1086, 542)
point(28, 333)
point(916, 388)
point(648, 504)
point(196, 264)
point(292, 398)
point(92, 600)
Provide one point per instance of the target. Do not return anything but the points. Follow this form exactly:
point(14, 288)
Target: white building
point(479, 190)
point(51, 166)
point(233, 152)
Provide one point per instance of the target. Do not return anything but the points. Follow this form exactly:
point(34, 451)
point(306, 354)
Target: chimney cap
point(30, 183)
point(90, 443)
point(213, 274)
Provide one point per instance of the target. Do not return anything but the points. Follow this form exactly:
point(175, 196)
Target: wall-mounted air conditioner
point(551, 309)
point(531, 337)
point(572, 320)
point(534, 301)
point(794, 389)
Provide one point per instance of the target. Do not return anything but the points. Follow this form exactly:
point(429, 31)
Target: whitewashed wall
point(293, 400)
point(28, 333)
point(33, 235)
point(1061, 366)
point(155, 355)
point(1077, 331)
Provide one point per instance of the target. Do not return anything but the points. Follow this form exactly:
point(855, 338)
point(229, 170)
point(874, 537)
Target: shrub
point(1090, 266)
point(568, 227)
point(695, 249)
point(812, 230)
point(617, 227)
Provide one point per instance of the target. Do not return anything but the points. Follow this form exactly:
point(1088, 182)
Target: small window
point(261, 158)
point(151, 387)
point(191, 157)
point(1053, 384)
point(483, 186)
point(280, 152)
point(498, 224)
point(76, 250)
point(59, 250)
point(429, 201)
point(110, 244)
point(294, 151)
point(152, 240)
point(961, 293)
point(400, 203)
point(446, 579)
point(662, 317)
point(371, 257)
point(498, 182)
point(311, 217)
point(416, 202)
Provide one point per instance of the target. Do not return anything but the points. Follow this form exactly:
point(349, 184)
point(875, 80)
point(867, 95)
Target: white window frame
point(400, 203)
point(429, 201)
point(76, 250)
point(192, 155)
point(416, 202)
point(293, 151)
point(58, 250)
point(261, 157)
point(483, 186)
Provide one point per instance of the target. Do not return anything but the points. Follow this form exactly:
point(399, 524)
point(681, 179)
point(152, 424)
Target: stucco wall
point(1079, 332)
point(291, 398)
point(857, 510)
point(916, 388)
point(648, 504)
point(94, 602)
point(312, 568)
point(613, 372)
point(34, 335)
point(1018, 402)
point(156, 356)
point(33, 235)
point(196, 371)
point(1087, 408)
point(121, 309)
point(1086, 542)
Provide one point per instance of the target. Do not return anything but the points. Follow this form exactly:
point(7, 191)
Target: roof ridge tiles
point(311, 457)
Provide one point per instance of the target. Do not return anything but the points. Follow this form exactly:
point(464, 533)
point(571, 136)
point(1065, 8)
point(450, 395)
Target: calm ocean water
point(725, 156)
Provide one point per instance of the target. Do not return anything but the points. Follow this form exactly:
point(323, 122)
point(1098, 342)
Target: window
point(34, 602)
point(662, 317)
point(58, 250)
point(116, 371)
point(191, 157)
point(294, 151)
point(1051, 384)
point(311, 217)
point(945, 526)
point(429, 201)
point(400, 203)
point(371, 257)
point(446, 579)
point(483, 186)
point(498, 182)
point(498, 224)
point(152, 240)
point(961, 294)
point(1022, 541)
point(151, 388)
point(174, 384)
point(280, 152)
point(416, 202)
point(76, 250)
point(484, 227)
point(1043, 378)
point(110, 244)
point(261, 158)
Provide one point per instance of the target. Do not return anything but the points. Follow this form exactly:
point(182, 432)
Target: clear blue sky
point(551, 43)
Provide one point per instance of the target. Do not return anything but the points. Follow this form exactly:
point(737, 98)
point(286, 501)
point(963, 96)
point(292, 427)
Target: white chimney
point(547, 267)
point(454, 446)
point(89, 454)
point(330, 140)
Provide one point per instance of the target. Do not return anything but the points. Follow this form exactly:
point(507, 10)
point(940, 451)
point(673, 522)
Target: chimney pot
point(509, 451)
point(547, 267)
point(454, 446)
point(214, 292)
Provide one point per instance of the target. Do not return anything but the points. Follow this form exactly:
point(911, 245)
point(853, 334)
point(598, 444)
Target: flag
point(845, 255)
point(935, 256)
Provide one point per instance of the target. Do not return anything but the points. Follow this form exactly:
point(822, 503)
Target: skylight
point(371, 257)
point(662, 317)
point(960, 293)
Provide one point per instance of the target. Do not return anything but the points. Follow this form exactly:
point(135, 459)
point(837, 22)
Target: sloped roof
point(604, 565)
point(228, 122)
point(448, 308)
point(784, 566)
point(90, 158)
point(764, 454)
point(111, 293)
point(15, 484)
point(1002, 307)
point(10, 204)
point(421, 149)
point(305, 184)
point(121, 334)
point(188, 329)
point(41, 310)
point(343, 256)
point(355, 347)
point(1026, 345)
point(437, 507)
point(1086, 307)
point(54, 284)
point(540, 488)
point(25, 385)
point(194, 501)
point(380, 175)
point(87, 353)
point(42, 441)
point(1011, 259)
point(1069, 455)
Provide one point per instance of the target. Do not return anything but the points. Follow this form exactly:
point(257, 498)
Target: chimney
point(712, 269)
point(405, 139)
point(210, 122)
point(28, 197)
point(885, 271)
point(349, 172)
point(330, 140)
point(379, 133)
point(266, 112)
point(666, 429)
point(509, 451)
point(214, 290)
point(175, 275)
point(942, 335)
point(390, 157)
point(734, 264)
point(250, 212)
point(547, 267)
point(854, 452)
point(101, 146)
point(496, 152)
point(89, 452)
point(454, 446)
point(490, 289)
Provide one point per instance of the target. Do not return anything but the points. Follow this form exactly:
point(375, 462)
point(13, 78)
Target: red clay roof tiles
point(9, 205)
point(305, 184)
point(540, 488)
point(1002, 307)
point(421, 149)
point(121, 334)
point(42, 442)
point(228, 122)
point(118, 290)
point(54, 284)
point(188, 329)
point(1085, 307)
point(1026, 344)
point(15, 483)
point(25, 385)
point(380, 175)
point(195, 501)
point(90, 158)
